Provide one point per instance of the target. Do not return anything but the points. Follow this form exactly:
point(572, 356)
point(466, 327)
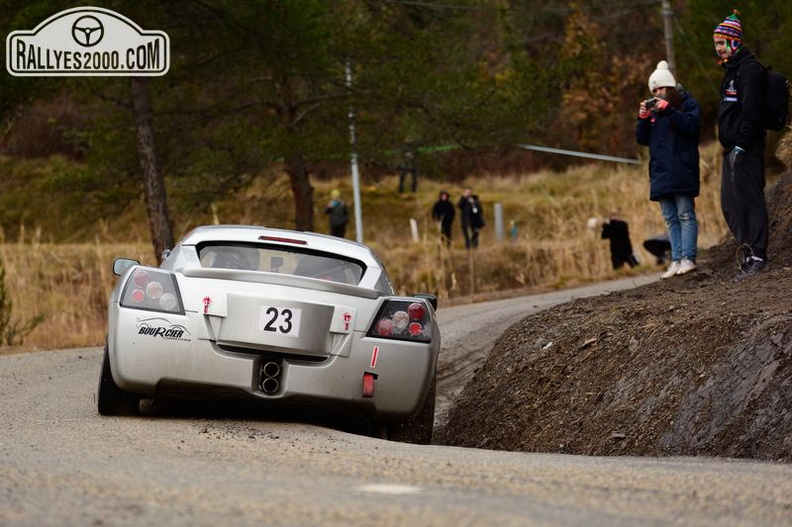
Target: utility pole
point(669, 36)
point(354, 163)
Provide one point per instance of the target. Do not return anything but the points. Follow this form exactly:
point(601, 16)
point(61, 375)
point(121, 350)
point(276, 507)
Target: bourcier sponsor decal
point(87, 41)
point(162, 328)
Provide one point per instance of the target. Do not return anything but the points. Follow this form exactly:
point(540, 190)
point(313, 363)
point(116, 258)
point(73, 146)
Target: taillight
point(402, 320)
point(416, 311)
point(152, 290)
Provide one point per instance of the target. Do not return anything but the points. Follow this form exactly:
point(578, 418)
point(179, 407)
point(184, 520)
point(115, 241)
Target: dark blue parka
point(673, 138)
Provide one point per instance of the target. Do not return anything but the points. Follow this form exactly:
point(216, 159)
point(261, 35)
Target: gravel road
point(63, 464)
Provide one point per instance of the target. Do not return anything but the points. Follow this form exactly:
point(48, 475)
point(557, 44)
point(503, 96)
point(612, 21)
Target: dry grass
point(69, 283)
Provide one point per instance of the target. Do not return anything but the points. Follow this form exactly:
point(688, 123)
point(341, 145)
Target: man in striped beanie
point(731, 32)
point(742, 136)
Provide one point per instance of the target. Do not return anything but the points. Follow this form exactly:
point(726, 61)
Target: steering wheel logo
point(87, 31)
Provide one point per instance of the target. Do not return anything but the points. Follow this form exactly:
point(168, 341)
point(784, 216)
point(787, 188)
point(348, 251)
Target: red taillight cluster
point(153, 290)
point(404, 320)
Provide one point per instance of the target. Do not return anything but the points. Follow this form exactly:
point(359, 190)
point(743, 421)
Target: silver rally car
point(279, 318)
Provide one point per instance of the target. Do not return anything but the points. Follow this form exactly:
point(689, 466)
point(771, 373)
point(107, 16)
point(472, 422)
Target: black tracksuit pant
point(743, 200)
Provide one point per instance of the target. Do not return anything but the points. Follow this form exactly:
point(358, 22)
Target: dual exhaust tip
point(270, 377)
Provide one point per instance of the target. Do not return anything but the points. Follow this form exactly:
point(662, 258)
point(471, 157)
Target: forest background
point(252, 124)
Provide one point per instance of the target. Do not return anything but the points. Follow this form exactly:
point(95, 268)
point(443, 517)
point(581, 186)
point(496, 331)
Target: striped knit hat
point(731, 28)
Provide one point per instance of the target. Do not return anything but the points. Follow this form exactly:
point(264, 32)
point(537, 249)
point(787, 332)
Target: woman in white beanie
point(669, 124)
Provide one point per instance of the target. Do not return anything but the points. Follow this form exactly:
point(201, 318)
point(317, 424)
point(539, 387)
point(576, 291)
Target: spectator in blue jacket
point(669, 124)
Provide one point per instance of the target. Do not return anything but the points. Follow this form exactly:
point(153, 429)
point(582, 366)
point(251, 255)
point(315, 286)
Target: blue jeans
point(679, 212)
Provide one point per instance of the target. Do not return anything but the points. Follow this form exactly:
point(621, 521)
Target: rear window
point(283, 260)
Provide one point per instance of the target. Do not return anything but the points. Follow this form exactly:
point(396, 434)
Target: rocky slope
point(693, 365)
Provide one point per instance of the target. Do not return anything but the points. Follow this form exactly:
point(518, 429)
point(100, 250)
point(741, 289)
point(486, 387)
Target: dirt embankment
point(694, 365)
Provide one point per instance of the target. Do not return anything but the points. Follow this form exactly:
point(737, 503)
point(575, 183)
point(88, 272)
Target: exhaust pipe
point(270, 385)
point(270, 373)
point(271, 369)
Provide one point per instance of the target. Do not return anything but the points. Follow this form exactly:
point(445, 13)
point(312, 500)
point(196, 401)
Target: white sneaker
point(672, 269)
point(686, 266)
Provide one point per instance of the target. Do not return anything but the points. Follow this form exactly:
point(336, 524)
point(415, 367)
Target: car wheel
point(417, 430)
point(112, 400)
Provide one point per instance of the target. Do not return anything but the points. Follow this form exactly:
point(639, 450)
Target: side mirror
point(120, 265)
point(426, 296)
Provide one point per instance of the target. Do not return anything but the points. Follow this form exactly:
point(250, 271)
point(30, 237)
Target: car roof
point(285, 237)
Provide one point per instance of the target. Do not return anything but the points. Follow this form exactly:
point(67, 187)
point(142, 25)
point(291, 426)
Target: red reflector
point(283, 240)
point(368, 385)
point(415, 329)
point(138, 295)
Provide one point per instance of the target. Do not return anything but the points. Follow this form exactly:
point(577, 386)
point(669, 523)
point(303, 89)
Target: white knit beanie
point(661, 77)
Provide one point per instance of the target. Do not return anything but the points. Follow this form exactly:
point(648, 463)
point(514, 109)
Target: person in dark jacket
point(472, 217)
point(742, 136)
point(660, 247)
point(617, 231)
point(409, 165)
point(337, 214)
point(670, 125)
point(443, 212)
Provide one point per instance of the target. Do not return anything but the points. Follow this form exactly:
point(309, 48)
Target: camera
point(650, 103)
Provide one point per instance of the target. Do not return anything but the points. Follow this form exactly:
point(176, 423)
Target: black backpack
point(775, 111)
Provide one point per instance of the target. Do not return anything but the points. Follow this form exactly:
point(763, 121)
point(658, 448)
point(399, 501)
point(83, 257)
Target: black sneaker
point(750, 268)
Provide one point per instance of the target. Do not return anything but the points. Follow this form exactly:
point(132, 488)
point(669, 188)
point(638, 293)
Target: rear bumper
point(175, 360)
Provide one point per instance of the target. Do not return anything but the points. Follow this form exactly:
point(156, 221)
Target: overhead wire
point(438, 5)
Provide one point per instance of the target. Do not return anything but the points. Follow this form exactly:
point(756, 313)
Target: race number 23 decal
point(280, 320)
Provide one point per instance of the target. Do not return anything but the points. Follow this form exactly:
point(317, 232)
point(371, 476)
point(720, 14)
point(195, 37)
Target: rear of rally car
point(264, 333)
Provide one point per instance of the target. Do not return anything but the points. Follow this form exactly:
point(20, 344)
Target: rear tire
point(111, 399)
point(419, 429)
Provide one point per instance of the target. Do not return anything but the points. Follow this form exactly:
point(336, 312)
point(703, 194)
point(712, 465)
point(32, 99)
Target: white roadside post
point(499, 222)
